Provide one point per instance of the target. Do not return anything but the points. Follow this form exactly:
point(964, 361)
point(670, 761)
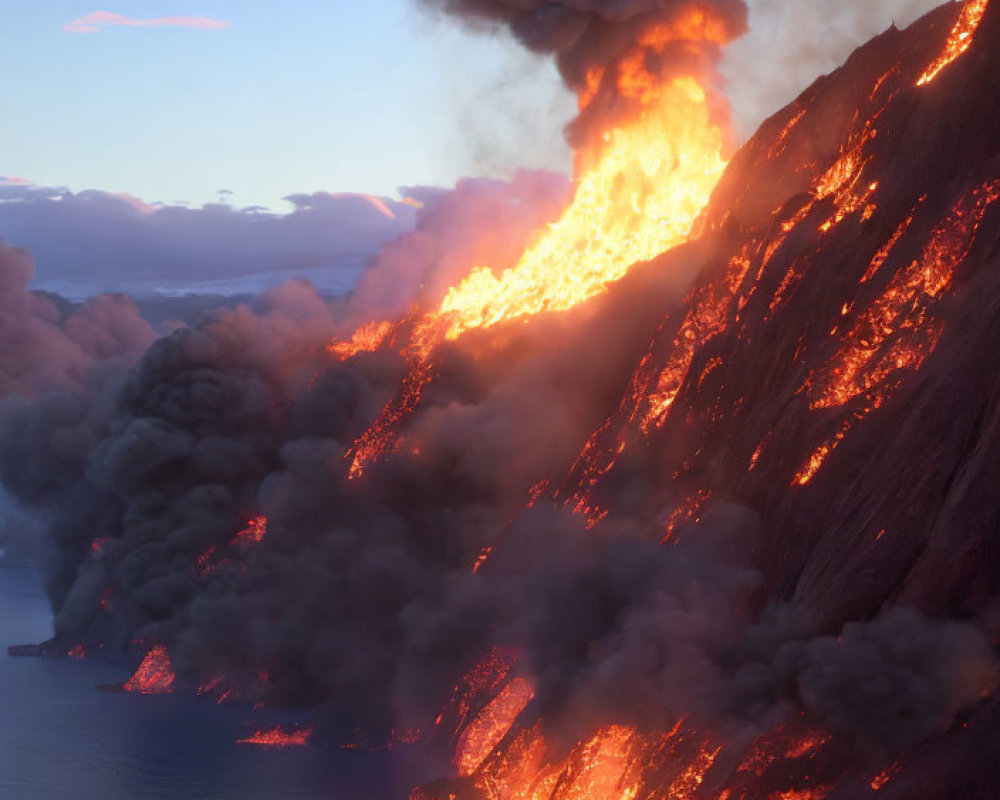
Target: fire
point(278, 737)
point(485, 678)
point(819, 457)
point(615, 763)
point(959, 40)
point(639, 192)
point(366, 339)
point(155, 674)
point(640, 198)
point(707, 317)
point(489, 727)
point(884, 777)
point(688, 511)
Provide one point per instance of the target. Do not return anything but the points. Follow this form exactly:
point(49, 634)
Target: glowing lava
point(253, 533)
point(489, 727)
point(278, 737)
point(366, 339)
point(155, 674)
point(899, 329)
point(959, 40)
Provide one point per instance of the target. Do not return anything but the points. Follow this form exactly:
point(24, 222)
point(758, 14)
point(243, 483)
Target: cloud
point(96, 21)
point(91, 241)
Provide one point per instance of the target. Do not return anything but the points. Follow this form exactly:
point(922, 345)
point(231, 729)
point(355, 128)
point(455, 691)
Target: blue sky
point(335, 95)
point(296, 96)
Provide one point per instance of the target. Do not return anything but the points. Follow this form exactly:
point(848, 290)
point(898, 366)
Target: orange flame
point(366, 339)
point(640, 198)
point(959, 40)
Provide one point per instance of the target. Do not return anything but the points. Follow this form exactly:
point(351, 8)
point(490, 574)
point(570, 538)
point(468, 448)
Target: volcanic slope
point(835, 366)
point(833, 371)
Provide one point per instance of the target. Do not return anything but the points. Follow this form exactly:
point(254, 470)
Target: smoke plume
point(590, 39)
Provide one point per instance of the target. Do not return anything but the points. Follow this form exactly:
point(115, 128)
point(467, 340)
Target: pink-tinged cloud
point(96, 21)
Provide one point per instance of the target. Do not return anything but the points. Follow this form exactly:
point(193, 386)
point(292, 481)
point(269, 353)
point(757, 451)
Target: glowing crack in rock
point(959, 40)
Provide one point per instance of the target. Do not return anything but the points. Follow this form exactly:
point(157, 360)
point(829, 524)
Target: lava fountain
point(654, 146)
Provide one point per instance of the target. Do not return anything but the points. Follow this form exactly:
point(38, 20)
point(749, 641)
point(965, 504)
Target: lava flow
point(694, 501)
point(642, 185)
point(278, 737)
point(154, 675)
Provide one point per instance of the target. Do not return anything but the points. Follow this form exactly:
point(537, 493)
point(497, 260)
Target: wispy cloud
point(96, 21)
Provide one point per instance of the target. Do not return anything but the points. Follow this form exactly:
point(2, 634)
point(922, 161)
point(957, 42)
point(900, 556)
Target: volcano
point(697, 500)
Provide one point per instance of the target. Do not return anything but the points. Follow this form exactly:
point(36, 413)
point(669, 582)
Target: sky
point(268, 99)
point(290, 97)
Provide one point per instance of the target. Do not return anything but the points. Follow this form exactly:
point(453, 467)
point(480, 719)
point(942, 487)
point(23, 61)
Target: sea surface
point(61, 738)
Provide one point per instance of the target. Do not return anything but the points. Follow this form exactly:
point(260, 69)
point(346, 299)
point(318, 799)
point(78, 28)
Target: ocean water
point(61, 738)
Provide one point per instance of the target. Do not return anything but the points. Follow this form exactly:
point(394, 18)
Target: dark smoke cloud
point(896, 680)
point(361, 600)
point(586, 34)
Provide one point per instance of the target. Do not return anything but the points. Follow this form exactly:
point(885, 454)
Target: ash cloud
point(588, 35)
point(585, 34)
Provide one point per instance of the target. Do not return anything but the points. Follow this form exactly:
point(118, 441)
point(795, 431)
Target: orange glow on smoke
point(278, 737)
point(959, 40)
point(489, 727)
point(639, 193)
point(154, 675)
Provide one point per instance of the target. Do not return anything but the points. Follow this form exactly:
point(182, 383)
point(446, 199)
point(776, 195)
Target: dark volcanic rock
point(863, 318)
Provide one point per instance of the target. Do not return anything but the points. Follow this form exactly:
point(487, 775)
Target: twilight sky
point(174, 100)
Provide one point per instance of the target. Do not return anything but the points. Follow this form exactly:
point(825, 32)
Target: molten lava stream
point(155, 674)
point(639, 197)
point(959, 40)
